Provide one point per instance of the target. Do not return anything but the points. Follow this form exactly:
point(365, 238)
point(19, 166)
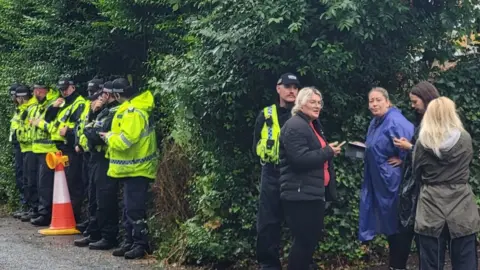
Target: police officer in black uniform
point(105, 235)
point(30, 170)
point(17, 154)
point(270, 213)
point(94, 90)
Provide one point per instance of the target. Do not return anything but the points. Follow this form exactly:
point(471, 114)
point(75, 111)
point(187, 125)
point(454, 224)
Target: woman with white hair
point(307, 176)
point(446, 211)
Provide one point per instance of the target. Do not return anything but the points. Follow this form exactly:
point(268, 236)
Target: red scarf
point(323, 143)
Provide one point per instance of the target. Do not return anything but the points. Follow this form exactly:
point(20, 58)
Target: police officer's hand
point(35, 122)
point(63, 131)
point(96, 105)
point(58, 102)
point(77, 149)
point(102, 135)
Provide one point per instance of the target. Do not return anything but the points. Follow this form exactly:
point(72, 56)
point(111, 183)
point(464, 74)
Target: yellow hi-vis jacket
point(268, 145)
point(41, 138)
point(63, 119)
point(25, 130)
point(14, 123)
point(132, 143)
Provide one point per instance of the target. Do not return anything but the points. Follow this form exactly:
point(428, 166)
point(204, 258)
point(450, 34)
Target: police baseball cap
point(123, 87)
point(108, 87)
point(64, 83)
point(22, 91)
point(12, 89)
point(287, 79)
point(95, 85)
point(39, 84)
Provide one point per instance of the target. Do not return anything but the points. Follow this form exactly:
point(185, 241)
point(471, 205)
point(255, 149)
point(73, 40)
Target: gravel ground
point(22, 247)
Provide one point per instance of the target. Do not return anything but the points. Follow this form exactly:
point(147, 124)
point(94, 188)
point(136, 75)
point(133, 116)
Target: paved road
point(22, 247)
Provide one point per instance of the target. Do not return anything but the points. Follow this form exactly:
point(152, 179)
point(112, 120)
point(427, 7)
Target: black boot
point(27, 216)
point(137, 252)
point(120, 252)
point(20, 212)
point(84, 242)
point(103, 244)
point(32, 214)
point(40, 221)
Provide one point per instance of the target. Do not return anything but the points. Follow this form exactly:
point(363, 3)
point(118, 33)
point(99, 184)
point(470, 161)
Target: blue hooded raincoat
point(379, 193)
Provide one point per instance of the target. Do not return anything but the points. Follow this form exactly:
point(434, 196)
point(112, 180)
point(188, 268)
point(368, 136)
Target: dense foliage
point(213, 65)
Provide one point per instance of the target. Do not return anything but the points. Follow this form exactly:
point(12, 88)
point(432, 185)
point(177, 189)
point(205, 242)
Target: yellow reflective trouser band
point(132, 161)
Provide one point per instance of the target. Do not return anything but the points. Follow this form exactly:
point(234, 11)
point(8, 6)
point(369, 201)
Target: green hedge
point(8, 190)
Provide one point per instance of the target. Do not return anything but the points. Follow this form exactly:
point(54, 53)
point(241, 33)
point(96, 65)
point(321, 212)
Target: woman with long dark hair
point(420, 96)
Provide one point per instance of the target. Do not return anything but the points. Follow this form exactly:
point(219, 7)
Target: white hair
point(304, 96)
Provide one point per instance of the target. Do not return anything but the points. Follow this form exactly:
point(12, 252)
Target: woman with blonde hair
point(446, 212)
point(307, 177)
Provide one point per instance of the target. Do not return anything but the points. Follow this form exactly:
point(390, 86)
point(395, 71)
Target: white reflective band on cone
point(60, 189)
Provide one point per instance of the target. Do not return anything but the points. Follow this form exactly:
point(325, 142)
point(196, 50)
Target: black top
point(302, 161)
point(105, 116)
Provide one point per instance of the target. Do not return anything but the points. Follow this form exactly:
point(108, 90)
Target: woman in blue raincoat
point(383, 173)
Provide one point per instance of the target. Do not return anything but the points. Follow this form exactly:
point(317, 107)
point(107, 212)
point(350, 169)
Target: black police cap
point(23, 91)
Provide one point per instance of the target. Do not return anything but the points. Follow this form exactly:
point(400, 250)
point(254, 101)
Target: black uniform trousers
point(19, 178)
point(89, 168)
point(73, 172)
point(135, 191)
point(45, 186)
point(269, 219)
point(86, 175)
point(106, 191)
point(30, 169)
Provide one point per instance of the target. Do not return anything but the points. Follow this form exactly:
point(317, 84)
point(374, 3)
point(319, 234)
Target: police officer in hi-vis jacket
point(94, 90)
point(24, 136)
point(14, 123)
point(132, 150)
point(265, 145)
point(60, 121)
point(104, 235)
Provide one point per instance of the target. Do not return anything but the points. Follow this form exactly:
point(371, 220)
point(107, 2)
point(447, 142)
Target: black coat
point(301, 162)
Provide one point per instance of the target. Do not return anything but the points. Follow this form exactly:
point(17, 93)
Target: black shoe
point(137, 252)
point(40, 221)
point(84, 242)
point(82, 226)
point(20, 212)
point(103, 244)
point(19, 215)
point(32, 214)
point(120, 252)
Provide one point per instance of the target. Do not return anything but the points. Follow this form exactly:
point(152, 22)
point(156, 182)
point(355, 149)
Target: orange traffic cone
point(63, 220)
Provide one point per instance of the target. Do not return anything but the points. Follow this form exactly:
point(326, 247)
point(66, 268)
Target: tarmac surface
point(22, 247)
